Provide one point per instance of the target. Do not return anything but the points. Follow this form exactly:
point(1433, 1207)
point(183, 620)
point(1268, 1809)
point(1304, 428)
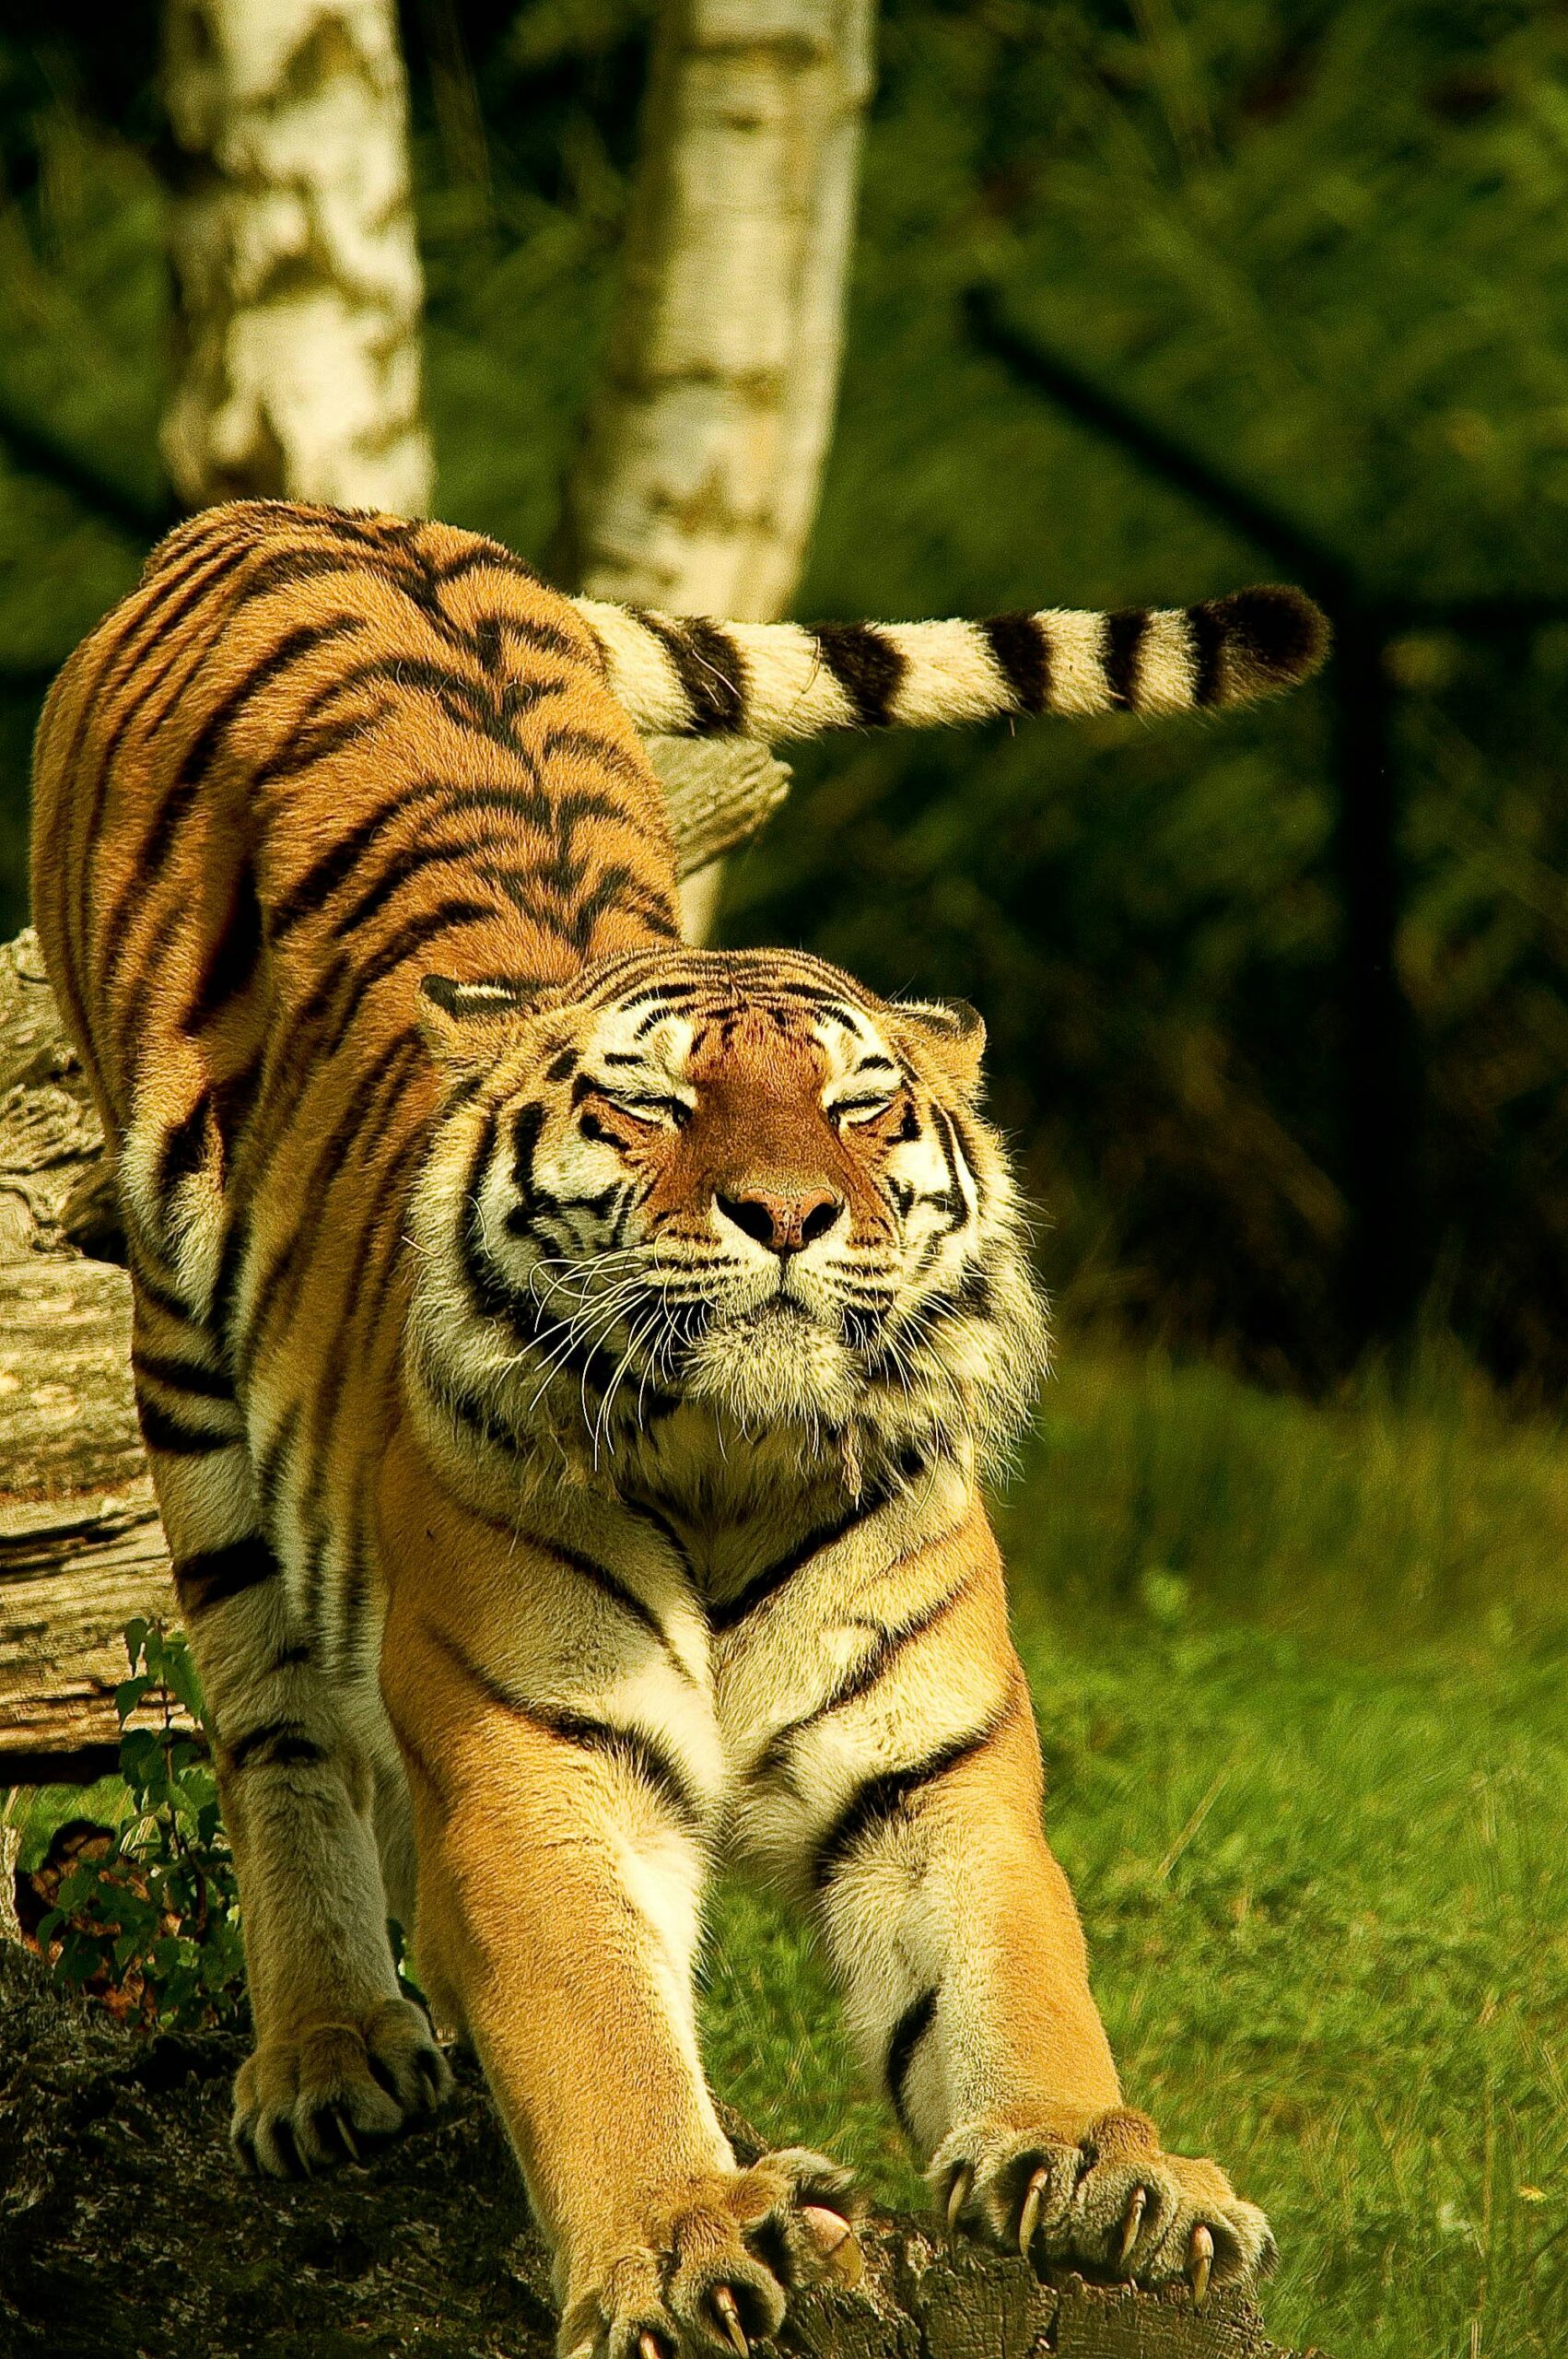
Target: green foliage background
point(1327, 248)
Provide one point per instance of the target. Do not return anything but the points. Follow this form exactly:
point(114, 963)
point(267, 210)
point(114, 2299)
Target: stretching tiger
point(568, 1361)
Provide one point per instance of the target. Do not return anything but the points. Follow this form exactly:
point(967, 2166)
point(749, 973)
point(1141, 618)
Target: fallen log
point(126, 2232)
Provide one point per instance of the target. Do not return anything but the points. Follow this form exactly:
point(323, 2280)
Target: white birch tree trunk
point(292, 236)
point(698, 482)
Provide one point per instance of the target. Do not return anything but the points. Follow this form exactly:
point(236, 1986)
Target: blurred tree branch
point(696, 483)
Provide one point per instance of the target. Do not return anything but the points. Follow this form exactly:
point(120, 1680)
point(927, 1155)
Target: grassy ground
point(1301, 1676)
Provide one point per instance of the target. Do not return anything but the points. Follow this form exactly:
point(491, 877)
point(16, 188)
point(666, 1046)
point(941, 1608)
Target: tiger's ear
point(465, 1025)
point(954, 1035)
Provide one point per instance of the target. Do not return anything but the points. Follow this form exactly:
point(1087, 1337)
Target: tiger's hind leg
point(342, 2058)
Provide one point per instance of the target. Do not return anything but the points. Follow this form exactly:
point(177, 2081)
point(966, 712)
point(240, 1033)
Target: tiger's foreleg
point(564, 1770)
point(340, 2057)
point(956, 1937)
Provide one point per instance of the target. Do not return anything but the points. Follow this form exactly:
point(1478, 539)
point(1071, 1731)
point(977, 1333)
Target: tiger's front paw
point(336, 2090)
point(718, 2261)
point(1110, 2201)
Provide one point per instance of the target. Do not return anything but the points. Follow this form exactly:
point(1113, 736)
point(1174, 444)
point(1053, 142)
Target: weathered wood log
point(127, 2232)
point(718, 795)
point(81, 1547)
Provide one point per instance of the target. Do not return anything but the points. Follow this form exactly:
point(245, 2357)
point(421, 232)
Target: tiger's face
point(730, 1179)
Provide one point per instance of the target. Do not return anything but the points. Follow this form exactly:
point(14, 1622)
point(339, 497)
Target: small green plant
point(144, 1914)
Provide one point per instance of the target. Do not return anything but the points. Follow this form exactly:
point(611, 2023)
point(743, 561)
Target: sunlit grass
point(1301, 1678)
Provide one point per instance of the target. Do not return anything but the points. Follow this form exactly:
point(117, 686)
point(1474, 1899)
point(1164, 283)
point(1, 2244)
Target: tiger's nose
point(784, 1222)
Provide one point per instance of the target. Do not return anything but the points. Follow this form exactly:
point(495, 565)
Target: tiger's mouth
point(782, 1359)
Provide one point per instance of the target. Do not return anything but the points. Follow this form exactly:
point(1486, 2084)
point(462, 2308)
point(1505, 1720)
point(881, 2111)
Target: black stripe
point(291, 1657)
point(873, 1666)
point(726, 1612)
point(163, 1298)
point(1125, 633)
point(415, 858)
point(160, 1431)
point(324, 877)
point(384, 1189)
point(196, 762)
point(879, 1801)
point(354, 1590)
point(478, 705)
point(232, 959)
point(278, 1744)
point(182, 1151)
point(158, 617)
point(489, 1294)
point(957, 1204)
point(180, 1375)
point(708, 666)
point(585, 745)
point(908, 2032)
point(288, 568)
point(489, 557)
point(723, 669)
point(412, 935)
point(359, 1127)
point(308, 747)
point(130, 1018)
point(867, 666)
point(219, 1574)
point(523, 804)
point(633, 1748)
point(605, 1582)
point(662, 996)
point(1209, 636)
point(1023, 652)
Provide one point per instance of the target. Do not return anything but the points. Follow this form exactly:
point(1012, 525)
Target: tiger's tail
point(778, 681)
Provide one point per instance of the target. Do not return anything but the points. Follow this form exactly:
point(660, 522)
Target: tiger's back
point(309, 755)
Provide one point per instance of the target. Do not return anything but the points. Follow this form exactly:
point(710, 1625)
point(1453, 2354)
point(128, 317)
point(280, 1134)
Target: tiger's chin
point(772, 1366)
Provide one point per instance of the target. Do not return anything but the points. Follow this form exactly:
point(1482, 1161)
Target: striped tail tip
point(1259, 641)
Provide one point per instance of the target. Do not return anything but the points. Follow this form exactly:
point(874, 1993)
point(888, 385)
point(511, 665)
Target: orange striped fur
point(568, 1361)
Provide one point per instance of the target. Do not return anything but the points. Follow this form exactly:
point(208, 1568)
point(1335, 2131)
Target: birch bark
point(698, 481)
point(292, 236)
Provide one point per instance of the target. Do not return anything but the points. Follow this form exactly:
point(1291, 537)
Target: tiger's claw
point(1113, 2204)
point(1029, 2218)
point(727, 2310)
point(837, 2242)
point(1131, 2225)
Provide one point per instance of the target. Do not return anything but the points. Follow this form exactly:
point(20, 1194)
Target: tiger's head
point(728, 1179)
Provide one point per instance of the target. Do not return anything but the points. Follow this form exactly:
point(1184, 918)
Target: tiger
point(569, 1361)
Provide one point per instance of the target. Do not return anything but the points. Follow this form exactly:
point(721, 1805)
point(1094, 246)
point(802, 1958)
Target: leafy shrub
point(143, 1914)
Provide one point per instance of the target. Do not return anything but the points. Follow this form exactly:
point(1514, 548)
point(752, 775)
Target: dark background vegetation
point(1293, 287)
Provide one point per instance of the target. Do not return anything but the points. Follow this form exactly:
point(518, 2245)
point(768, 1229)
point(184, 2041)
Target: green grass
point(1301, 1677)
